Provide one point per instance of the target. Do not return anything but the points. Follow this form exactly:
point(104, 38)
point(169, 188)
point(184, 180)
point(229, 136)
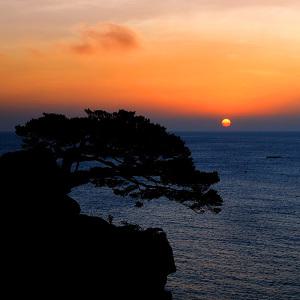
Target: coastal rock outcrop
point(50, 248)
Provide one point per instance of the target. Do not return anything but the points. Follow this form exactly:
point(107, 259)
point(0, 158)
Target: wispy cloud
point(107, 36)
point(82, 48)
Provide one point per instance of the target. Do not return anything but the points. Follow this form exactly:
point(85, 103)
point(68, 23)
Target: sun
point(226, 123)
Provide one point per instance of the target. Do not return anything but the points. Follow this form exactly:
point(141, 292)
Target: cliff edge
point(50, 248)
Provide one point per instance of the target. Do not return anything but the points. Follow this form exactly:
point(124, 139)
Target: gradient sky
point(184, 63)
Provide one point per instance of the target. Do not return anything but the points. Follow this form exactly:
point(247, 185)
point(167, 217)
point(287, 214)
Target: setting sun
point(226, 123)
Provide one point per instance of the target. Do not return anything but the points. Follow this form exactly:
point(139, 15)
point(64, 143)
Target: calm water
point(251, 250)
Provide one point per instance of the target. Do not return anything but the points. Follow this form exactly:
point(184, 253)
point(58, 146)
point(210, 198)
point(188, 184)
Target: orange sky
point(205, 58)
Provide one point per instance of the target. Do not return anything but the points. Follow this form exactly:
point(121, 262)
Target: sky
point(185, 64)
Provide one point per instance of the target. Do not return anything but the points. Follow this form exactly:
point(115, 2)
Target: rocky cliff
point(50, 248)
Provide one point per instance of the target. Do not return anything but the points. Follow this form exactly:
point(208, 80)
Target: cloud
point(106, 37)
point(83, 48)
point(46, 19)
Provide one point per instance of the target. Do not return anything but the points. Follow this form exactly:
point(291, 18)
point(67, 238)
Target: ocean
point(251, 250)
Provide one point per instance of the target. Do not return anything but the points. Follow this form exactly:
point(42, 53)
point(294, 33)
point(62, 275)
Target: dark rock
point(139, 204)
point(49, 248)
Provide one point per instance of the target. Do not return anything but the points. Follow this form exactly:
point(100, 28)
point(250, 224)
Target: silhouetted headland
point(51, 246)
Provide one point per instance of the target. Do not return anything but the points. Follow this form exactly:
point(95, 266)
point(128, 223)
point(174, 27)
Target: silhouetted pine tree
point(128, 154)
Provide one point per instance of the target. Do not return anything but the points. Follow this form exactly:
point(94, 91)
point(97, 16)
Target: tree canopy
point(126, 153)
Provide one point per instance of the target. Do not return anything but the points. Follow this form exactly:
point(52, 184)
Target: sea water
point(251, 250)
